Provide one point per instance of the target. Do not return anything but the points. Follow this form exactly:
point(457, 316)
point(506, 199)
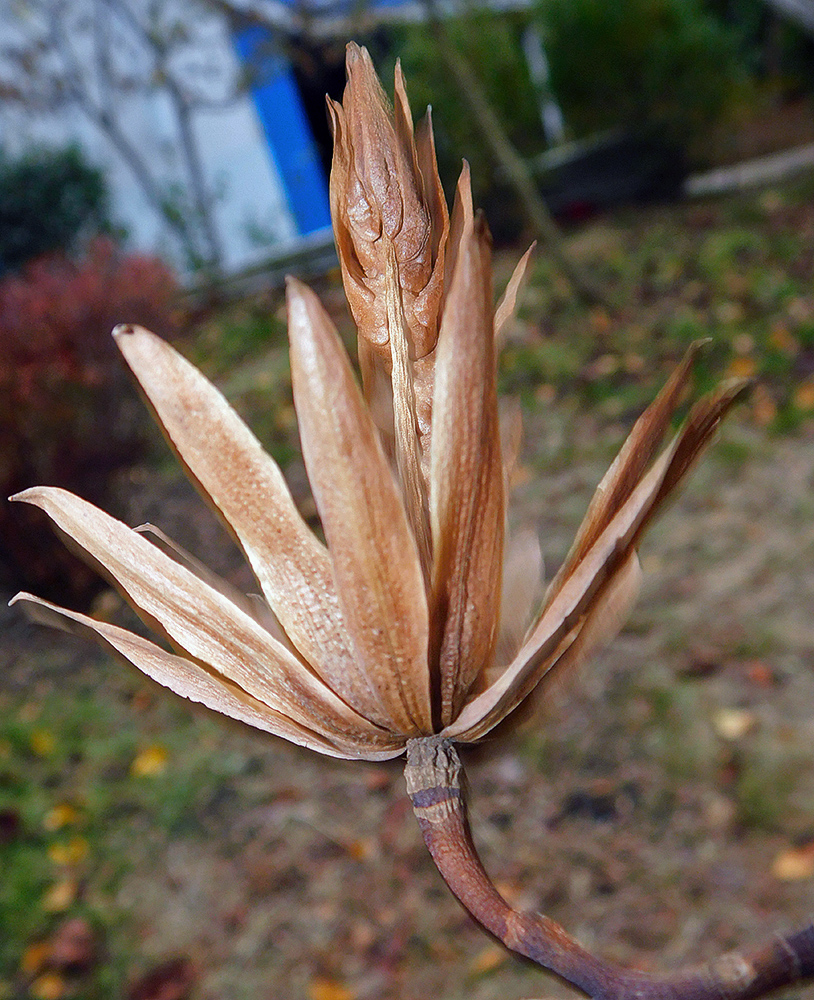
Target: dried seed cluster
point(389, 631)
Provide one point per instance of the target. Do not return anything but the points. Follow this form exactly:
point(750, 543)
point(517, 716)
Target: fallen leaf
point(764, 407)
point(781, 338)
point(360, 848)
point(487, 960)
point(804, 396)
point(59, 896)
point(729, 312)
point(149, 762)
point(328, 989)
point(741, 367)
point(761, 674)
point(733, 723)
point(720, 812)
point(48, 986)
point(34, 958)
point(61, 815)
point(601, 368)
point(795, 863)
point(599, 320)
point(42, 742)
point(69, 852)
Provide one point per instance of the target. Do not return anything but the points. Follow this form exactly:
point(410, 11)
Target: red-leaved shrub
point(69, 415)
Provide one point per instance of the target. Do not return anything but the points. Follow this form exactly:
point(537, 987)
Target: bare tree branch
point(79, 94)
point(87, 56)
point(495, 137)
point(203, 200)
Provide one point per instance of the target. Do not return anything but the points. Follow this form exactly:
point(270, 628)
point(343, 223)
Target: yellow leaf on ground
point(487, 960)
point(42, 742)
point(48, 986)
point(764, 407)
point(733, 723)
point(150, 761)
point(782, 339)
point(361, 848)
point(321, 988)
point(61, 815)
point(69, 852)
point(794, 864)
point(34, 957)
point(742, 367)
point(59, 896)
point(804, 396)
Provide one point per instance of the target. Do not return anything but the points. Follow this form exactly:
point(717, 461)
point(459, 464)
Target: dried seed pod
point(386, 193)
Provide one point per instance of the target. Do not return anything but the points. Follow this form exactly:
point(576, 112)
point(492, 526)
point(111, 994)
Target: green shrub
point(491, 43)
point(667, 62)
point(69, 415)
point(47, 200)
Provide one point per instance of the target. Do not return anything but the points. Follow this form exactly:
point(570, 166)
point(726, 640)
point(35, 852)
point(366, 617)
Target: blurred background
point(165, 163)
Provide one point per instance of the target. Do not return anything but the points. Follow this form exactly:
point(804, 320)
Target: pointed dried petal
point(375, 562)
point(627, 468)
point(698, 430)
point(608, 613)
point(467, 503)
point(461, 221)
point(521, 595)
point(433, 190)
point(201, 621)
point(599, 564)
point(426, 306)
point(408, 450)
point(248, 490)
point(504, 313)
point(558, 627)
point(253, 605)
point(190, 680)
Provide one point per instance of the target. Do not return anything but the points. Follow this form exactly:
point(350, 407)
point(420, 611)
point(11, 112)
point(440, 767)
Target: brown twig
point(434, 784)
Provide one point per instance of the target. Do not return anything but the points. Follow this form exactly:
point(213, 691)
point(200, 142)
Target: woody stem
point(434, 784)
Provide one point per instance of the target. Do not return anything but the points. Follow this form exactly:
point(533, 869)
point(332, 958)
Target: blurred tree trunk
point(493, 133)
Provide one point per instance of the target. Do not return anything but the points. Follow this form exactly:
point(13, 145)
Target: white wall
point(249, 198)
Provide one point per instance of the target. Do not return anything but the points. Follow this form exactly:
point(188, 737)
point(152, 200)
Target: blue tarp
point(279, 108)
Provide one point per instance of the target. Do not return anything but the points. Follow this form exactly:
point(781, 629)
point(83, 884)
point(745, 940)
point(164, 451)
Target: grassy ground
point(663, 806)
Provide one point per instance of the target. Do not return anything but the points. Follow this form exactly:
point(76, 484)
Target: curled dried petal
point(376, 565)
point(467, 501)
